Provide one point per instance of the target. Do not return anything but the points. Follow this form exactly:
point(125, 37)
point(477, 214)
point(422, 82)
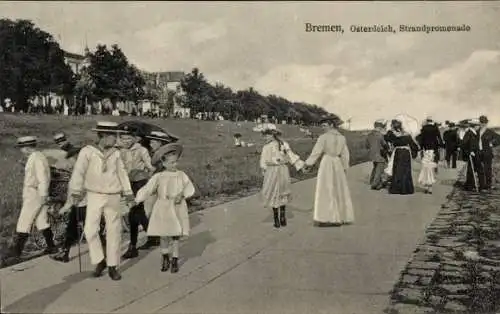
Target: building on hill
point(163, 87)
point(75, 61)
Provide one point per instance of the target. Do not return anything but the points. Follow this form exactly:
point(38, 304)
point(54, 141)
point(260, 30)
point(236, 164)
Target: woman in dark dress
point(404, 150)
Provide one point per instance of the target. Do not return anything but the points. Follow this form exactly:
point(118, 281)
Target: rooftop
point(73, 55)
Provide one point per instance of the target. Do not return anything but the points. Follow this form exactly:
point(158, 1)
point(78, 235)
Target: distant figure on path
point(378, 148)
point(488, 140)
point(35, 197)
point(399, 167)
point(426, 177)
point(430, 139)
point(274, 160)
point(471, 149)
point(100, 174)
point(332, 200)
point(169, 218)
point(451, 144)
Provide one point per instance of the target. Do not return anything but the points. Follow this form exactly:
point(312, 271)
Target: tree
point(31, 63)
point(114, 77)
point(197, 91)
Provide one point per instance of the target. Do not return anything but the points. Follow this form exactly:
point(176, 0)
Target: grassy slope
point(218, 169)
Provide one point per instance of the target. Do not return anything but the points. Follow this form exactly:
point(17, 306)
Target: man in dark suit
point(378, 148)
point(470, 149)
point(451, 142)
point(430, 138)
point(487, 140)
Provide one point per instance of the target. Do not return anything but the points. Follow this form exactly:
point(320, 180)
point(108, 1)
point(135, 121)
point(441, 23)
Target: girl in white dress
point(274, 160)
point(332, 201)
point(426, 177)
point(169, 218)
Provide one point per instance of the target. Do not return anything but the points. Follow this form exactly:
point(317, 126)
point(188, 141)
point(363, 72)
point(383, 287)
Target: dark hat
point(483, 119)
point(26, 141)
point(159, 136)
point(108, 127)
point(166, 149)
point(396, 122)
point(451, 124)
point(59, 138)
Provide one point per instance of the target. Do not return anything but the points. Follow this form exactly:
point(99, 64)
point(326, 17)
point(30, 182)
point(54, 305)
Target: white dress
point(274, 162)
point(426, 176)
point(332, 200)
point(167, 218)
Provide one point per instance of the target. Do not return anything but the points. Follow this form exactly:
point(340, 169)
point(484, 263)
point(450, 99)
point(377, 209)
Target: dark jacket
point(71, 150)
point(377, 146)
point(470, 143)
point(451, 140)
point(430, 137)
point(489, 140)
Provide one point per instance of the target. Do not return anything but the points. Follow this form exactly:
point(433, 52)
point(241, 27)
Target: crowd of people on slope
point(392, 153)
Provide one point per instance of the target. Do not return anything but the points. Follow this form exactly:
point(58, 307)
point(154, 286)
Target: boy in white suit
point(100, 173)
point(35, 197)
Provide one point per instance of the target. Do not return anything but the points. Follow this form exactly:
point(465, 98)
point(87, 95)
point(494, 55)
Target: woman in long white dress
point(332, 200)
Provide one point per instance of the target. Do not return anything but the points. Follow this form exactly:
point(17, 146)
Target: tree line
point(33, 64)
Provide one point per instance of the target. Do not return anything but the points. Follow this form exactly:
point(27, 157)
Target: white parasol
point(410, 124)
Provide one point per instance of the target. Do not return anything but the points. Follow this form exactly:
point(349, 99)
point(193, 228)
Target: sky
point(264, 45)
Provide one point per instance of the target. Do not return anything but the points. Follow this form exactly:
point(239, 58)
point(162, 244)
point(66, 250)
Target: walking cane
point(474, 174)
point(79, 239)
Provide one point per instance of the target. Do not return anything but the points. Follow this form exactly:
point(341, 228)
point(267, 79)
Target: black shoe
point(150, 243)
point(276, 218)
point(63, 256)
point(100, 268)
point(282, 217)
point(131, 252)
point(113, 273)
point(50, 250)
point(17, 250)
point(165, 264)
point(175, 265)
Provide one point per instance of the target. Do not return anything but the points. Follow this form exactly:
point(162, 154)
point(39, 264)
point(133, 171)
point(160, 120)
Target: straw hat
point(108, 127)
point(271, 128)
point(166, 149)
point(59, 138)
point(26, 141)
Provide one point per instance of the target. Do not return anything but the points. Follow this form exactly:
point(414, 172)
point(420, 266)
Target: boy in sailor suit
point(35, 197)
point(100, 174)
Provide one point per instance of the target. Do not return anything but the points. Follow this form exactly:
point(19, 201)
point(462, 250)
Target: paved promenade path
point(236, 262)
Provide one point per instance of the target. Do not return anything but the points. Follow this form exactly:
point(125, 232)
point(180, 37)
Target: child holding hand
point(169, 218)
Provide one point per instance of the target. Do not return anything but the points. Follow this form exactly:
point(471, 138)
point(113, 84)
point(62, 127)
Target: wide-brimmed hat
point(166, 149)
point(108, 127)
point(159, 136)
point(270, 128)
point(26, 141)
point(59, 138)
point(473, 122)
point(483, 119)
point(381, 122)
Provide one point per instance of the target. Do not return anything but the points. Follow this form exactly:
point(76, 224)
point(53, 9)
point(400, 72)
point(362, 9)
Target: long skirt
point(276, 190)
point(332, 200)
point(402, 180)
